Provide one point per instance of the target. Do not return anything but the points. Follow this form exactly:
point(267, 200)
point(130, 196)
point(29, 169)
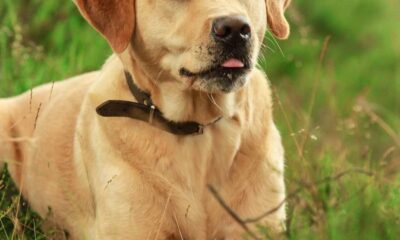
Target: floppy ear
point(276, 19)
point(114, 19)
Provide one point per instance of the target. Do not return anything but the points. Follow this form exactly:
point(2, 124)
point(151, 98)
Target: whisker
point(273, 39)
point(211, 98)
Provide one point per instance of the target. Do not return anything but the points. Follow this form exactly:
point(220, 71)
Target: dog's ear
point(277, 22)
point(114, 19)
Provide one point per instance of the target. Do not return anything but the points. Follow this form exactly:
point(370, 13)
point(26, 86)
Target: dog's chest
point(179, 169)
point(195, 161)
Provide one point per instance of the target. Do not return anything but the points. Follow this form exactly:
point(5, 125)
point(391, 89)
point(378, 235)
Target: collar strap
point(141, 96)
point(146, 111)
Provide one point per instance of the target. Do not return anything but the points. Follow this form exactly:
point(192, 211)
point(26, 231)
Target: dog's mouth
point(229, 69)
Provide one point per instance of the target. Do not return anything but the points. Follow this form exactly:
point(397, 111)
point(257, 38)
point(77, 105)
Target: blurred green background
point(336, 85)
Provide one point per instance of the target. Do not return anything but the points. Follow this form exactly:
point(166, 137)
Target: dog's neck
point(179, 104)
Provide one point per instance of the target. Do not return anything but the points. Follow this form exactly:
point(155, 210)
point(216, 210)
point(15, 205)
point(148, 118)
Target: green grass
point(337, 103)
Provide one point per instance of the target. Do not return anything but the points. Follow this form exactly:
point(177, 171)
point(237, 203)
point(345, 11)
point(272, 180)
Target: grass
point(337, 103)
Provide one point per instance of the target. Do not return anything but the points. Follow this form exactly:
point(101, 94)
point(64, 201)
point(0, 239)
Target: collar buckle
point(201, 130)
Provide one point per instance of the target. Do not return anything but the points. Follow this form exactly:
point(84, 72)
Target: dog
point(132, 151)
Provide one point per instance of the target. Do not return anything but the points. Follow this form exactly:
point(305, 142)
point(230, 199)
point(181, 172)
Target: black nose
point(232, 27)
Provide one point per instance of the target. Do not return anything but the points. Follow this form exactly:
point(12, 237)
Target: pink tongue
point(233, 63)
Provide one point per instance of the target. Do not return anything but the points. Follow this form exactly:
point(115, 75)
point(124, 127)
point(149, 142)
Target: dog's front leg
point(127, 206)
point(257, 188)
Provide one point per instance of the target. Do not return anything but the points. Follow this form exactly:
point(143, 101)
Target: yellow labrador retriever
point(128, 152)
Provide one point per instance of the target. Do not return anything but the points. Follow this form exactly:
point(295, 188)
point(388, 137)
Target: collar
point(144, 110)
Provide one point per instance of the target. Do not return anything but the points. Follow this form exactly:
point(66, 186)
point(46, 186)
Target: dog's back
point(26, 119)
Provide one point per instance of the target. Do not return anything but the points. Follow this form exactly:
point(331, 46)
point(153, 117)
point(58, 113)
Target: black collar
point(146, 111)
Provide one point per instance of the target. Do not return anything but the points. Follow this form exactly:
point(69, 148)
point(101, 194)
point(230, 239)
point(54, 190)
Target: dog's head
point(206, 45)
